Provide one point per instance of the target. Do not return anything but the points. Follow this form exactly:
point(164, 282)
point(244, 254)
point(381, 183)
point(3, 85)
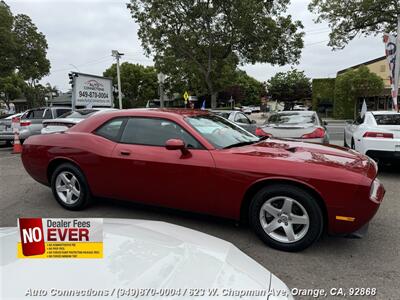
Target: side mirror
point(253, 122)
point(176, 144)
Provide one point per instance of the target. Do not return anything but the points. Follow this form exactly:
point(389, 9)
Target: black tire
point(9, 143)
point(84, 198)
point(309, 203)
point(344, 141)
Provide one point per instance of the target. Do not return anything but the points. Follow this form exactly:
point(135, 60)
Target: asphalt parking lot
point(331, 263)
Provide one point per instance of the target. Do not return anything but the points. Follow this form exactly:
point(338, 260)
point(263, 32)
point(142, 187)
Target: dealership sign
point(91, 91)
point(60, 238)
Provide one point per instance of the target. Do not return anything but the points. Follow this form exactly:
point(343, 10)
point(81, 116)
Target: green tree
point(23, 51)
point(289, 87)
point(32, 63)
point(138, 83)
point(348, 19)
point(244, 89)
point(203, 39)
point(352, 86)
point(11, 87)
point(7, 41)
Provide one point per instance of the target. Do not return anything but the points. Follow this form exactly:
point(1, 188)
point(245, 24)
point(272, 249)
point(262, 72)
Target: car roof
point(184, 112)
point(383, 112)
point(296, 112)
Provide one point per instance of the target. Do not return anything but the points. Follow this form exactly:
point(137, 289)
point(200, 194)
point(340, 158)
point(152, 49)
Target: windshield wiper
point(240, 144)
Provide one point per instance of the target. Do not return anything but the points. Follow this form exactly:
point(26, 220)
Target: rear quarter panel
point(88, 151)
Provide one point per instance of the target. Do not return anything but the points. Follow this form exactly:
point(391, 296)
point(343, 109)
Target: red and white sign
point(60, 238)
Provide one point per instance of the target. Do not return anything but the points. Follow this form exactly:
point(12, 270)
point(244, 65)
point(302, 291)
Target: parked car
point(31, 120)
point(300, 125)
point(151, 255)
point(238, 118)
point(6, 130)
point(69, 119)
point(255, 109)
point(300, 107)
point(247, 110)
point(289, 191)
point(376, 134)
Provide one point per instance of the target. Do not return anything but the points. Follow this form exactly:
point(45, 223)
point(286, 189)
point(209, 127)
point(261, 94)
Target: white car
point(142, 254)
point(377, 135)
point(69, 119)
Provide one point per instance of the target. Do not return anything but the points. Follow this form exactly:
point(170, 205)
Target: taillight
point(317, 133)
point(260, 132)
point(25, 123)
point(383, 135)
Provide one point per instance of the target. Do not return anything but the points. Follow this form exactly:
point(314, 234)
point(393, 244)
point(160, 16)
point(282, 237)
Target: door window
point(241, 118)
point(34, 114)
point(155, 132)
point(61, 111)
point(359, 120)
point(112, 129)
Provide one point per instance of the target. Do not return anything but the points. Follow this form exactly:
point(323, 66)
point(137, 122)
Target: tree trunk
point(214, 100)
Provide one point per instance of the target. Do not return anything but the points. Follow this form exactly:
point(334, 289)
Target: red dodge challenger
point(290, 192)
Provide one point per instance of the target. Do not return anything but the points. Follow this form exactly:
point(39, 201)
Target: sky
point(81, 35)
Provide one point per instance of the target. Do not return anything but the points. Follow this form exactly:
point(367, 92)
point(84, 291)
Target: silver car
point(239, 118)
point(300, 125)
point(69, 119)
point(6, 130)
point(31, 120)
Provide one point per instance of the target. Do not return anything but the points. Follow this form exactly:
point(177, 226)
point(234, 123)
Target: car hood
point(331, 155)
point(137, 253)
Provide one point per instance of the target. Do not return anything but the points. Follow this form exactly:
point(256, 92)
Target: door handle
point(125, 152)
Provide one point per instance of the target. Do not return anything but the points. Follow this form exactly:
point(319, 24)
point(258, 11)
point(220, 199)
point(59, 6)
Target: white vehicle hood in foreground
point(139, 254)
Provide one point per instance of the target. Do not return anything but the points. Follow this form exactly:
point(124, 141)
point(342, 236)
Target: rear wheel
point(286, 217)
point(69, 187)
point(344, 141)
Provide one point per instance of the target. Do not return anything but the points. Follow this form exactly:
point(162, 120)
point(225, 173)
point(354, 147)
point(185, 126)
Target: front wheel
point(286, 217)
point(69, 187)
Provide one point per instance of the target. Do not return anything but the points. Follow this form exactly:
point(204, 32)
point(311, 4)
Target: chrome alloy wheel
point(284, 219)
point(67, 187)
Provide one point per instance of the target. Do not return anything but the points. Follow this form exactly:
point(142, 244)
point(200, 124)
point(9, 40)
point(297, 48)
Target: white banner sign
point(392, 50)
point(91, 91)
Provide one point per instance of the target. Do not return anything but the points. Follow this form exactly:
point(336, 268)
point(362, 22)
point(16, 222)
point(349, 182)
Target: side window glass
point(241, 118)
point(155, 132)
point(37, 114)
point(47, 114)
point(61, 111)
point(111, 130)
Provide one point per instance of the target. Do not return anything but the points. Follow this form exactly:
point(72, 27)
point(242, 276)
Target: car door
point(145, 171)
point(352, 131)
point(35, 118)
point(243, 121)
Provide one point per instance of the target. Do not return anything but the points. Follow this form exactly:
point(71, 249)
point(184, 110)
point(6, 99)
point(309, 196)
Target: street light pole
point(117, 55)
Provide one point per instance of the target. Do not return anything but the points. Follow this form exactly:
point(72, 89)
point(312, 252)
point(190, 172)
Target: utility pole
point(161, 79)
point(117, 55)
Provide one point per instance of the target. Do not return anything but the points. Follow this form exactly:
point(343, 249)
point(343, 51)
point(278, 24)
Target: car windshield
point(220, 132)
point(390, 119)
point(79, 114)
point(292, 118)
